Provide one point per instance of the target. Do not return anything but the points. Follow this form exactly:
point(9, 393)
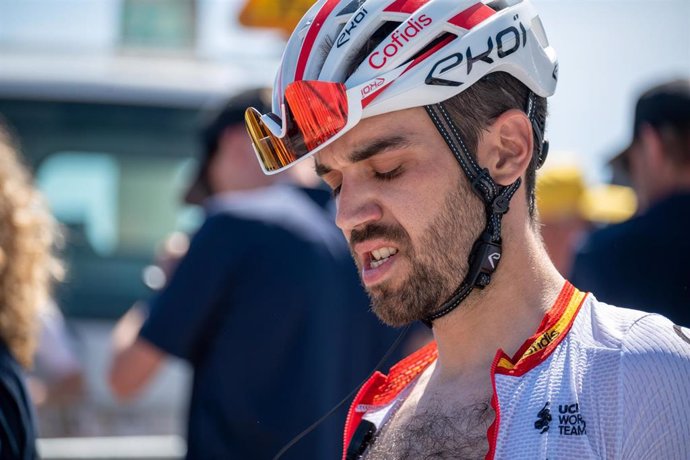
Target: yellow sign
point(277, 14)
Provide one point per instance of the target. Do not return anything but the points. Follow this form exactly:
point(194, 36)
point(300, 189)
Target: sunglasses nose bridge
point(274, 124)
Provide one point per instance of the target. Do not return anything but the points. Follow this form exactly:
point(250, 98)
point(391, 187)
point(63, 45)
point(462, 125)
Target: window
point(115, 209)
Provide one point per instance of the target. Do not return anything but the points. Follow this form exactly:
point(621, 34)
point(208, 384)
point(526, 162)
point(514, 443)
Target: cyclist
point(426, 118)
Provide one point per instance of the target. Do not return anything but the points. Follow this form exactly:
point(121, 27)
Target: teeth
point(376, 263)
point(383, 253)
point(379, 256)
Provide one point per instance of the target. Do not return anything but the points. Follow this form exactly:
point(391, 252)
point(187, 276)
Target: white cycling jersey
point(596, 381)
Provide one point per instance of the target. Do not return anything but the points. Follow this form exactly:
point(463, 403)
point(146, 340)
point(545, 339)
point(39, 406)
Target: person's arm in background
point(57, 377)
point(181, 316)
point(135, 360)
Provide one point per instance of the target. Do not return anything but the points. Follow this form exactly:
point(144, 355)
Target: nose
point(356, 207)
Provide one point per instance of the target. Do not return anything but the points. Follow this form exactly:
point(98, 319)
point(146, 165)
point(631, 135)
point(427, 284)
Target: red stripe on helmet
point(429, 52)
point(369, 99)
point(405, 6)
point(309, 40)
point(472, 16)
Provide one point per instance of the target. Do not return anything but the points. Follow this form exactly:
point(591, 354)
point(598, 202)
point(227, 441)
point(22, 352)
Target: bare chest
point(434, 431)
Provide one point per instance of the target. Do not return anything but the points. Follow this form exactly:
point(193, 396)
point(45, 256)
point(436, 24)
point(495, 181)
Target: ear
point(505, 148)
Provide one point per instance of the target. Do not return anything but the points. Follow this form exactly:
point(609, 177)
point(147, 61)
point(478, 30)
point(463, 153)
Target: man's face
point(234, 165)
point(406, 210)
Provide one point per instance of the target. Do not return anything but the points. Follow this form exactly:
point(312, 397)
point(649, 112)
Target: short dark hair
point(474, 110)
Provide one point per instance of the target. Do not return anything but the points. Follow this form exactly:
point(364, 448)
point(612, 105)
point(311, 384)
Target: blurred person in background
point(27, 266)
point(265, 305)
point(57, 377)
point(56, 381)
point(642, 263)
point(569, 209)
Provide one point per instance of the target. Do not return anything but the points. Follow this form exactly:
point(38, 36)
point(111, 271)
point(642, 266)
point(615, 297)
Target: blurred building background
point(104, 97)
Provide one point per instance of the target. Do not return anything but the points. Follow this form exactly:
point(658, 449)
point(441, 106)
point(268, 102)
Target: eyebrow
point(368, 150)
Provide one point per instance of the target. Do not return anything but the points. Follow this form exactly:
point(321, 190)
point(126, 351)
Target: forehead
point(411, 127)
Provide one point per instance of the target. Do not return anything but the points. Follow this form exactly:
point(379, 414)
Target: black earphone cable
point(314, 425)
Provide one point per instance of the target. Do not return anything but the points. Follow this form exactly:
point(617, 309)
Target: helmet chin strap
point(487, 249)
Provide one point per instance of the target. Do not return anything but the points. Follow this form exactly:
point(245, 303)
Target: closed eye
point(384, 176)
point(389, 175)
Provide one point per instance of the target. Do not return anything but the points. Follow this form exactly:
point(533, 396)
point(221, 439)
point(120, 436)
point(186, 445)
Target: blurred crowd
point(264, 302)
point(626, 243)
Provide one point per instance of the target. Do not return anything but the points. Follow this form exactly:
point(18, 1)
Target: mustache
point(389, 232)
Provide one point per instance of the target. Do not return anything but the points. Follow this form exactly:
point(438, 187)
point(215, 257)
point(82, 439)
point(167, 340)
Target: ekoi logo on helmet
point(344, 37)
point(398, 40)
point(373, 86)
point(508, 41)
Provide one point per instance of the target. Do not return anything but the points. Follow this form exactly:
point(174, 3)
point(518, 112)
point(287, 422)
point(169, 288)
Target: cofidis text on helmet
point(398, 40)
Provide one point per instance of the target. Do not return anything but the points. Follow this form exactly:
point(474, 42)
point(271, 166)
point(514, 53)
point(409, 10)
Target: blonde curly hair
point(28, 263)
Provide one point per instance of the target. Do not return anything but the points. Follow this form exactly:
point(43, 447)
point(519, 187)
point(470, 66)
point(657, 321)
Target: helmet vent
point(376, 38)
point(326, 46)
point(350, 7)
point(498, 5)
point(441, 37)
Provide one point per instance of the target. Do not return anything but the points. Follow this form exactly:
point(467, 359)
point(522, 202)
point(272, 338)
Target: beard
point(438, 262)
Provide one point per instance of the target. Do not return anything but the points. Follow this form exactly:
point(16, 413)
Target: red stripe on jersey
point(472, 16)
point(309, 40)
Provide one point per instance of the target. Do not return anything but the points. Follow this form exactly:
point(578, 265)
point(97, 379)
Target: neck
point(670, 180)
point(504, 314)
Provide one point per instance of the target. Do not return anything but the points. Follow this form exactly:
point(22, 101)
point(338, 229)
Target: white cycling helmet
point(428, 51)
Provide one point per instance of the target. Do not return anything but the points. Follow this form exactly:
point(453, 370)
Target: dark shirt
point(642, 263)
point(267, 308)
point(17, 432)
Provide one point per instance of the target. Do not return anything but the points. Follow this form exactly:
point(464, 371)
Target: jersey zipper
point(351, 411)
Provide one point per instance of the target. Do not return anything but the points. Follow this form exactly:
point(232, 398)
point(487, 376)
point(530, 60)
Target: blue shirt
point(267, 308)
point(642, 263)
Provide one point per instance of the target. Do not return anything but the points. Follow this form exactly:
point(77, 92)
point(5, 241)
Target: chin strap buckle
point(486, 256)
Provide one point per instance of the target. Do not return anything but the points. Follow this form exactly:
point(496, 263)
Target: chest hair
point(437, 432)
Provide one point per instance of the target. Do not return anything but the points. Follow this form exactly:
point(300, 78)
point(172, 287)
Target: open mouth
point(379, 256)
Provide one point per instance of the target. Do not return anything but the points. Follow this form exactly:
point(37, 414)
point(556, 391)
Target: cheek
point(430, 188)
point(415, 205)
